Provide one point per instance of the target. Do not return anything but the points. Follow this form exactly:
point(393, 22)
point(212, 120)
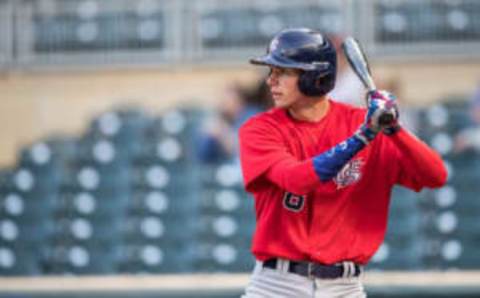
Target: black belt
point(321, 271)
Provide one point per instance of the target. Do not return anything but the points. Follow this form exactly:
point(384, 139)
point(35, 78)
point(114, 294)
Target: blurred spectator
point(217, 139)
point(469, 137)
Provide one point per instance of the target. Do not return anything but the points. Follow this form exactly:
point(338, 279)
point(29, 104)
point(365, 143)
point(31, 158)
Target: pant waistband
point(316, 270)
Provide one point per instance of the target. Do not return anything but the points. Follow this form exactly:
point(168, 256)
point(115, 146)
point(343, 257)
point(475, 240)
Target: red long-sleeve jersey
point(301, 218)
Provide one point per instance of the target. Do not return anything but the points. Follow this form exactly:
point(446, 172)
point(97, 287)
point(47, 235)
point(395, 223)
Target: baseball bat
point(359, 63)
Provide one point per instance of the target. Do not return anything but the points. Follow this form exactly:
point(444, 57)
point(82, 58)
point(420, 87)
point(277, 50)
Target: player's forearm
point(328, 164)
point(422, 161)
point(303, 177)
point(293, 176)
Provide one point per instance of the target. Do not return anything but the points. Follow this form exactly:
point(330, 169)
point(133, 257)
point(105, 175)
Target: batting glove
point(387, 117)
point(371, 126)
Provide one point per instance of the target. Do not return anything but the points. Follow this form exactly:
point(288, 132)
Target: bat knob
point(386, 119)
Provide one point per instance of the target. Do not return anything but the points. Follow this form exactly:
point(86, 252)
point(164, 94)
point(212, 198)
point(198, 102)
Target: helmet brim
point(270, 60)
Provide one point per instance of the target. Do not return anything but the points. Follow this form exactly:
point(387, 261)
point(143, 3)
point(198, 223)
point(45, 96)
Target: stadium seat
point(226, 200)
point(27, 207)
point(451, 253)
point(18, 262)
point(218, 227)
point(168, 228)
point(102, 203)
point(167, 137)
point(81, 259)
point(160, 202)
point(123, 127)
point(178, 181)
point(80, 230)
point(51, 152)
point(28, 232)
point(224, 257)
point(104, 31)
point(396, 254)
point(153, 257)
point(222, 28)
point(90, 176)
point(433, 21)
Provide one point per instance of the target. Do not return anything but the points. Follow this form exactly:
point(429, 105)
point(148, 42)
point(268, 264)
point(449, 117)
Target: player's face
point(283, 83)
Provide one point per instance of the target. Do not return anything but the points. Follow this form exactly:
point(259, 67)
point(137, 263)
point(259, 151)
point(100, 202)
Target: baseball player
point(321, 173)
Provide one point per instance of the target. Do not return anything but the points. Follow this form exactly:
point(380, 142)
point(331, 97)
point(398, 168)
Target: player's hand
point(382, 114)
point(371, 125)
point(384, 111)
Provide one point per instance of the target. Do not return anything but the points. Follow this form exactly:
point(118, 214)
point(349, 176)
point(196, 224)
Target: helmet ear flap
point(306, 83)
point(316, 83)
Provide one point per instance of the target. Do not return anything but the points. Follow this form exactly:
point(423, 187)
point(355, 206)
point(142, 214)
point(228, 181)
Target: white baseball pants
point(279, 283)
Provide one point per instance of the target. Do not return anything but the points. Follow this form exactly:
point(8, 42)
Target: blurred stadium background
point(101, 194)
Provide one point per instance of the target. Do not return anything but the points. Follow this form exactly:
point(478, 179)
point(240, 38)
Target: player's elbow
point(439, 177)
point(442, 177)
point(295, 177)
point(300, 184)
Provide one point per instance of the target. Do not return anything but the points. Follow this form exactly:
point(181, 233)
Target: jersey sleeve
point(265, 156)
point(419, 165)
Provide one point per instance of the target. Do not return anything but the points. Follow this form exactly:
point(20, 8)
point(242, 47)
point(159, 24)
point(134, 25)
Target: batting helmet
point(307, 50)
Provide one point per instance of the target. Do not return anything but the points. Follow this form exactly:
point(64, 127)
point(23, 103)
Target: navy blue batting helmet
point(307, 50)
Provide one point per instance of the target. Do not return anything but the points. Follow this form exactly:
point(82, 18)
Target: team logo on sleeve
point(293, 202)
point(349, 174)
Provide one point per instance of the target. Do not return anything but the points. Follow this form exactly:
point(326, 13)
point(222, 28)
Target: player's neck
point(310, 110)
